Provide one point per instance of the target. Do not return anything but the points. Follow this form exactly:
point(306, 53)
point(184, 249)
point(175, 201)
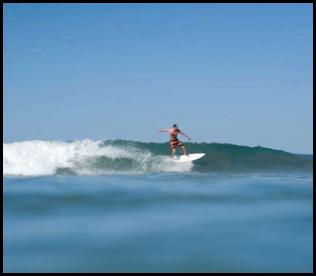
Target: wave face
point(87, 157)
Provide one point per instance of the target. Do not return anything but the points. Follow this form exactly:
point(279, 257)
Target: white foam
point(37, 157)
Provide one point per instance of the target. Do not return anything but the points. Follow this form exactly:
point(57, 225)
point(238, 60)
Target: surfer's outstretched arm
point(163, 130)
point(185, 135)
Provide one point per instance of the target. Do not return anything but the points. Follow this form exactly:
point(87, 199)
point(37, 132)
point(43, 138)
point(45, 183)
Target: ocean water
point(122, 206)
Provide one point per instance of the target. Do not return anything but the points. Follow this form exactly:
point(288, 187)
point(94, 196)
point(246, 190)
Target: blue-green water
point(87, 157)
point(159, 222)
point(124, 206)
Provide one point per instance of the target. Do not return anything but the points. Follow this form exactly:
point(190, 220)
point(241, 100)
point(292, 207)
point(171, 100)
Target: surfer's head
point(175, 126)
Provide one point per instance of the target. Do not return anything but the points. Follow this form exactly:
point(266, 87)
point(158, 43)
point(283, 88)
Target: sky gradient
point(226, 73)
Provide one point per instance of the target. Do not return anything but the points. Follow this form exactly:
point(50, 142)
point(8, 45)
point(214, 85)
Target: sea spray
point(86, 157)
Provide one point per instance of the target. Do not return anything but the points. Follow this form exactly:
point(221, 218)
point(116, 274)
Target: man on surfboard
point(174, 142)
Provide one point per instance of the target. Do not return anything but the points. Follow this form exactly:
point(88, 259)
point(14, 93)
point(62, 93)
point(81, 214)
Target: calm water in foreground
point(164, 222)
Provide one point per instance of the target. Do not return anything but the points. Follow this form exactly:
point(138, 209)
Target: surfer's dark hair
point(175, 125)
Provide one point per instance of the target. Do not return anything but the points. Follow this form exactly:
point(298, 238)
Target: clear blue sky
point(226, 73)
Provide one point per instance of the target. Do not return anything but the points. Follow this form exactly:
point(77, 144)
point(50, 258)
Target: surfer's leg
point(184, 150)
point(173, 151)
point(173, 145)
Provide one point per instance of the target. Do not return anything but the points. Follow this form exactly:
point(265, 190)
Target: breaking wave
point(35, 158)
point(87, 157)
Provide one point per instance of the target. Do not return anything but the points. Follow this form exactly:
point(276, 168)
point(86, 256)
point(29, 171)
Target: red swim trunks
point(175, 143)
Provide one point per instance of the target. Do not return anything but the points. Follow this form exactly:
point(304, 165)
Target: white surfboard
point(190, 158)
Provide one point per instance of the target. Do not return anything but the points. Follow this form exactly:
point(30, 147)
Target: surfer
point(174, 142)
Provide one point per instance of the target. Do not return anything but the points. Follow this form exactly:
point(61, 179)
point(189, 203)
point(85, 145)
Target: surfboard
point(190, 158)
